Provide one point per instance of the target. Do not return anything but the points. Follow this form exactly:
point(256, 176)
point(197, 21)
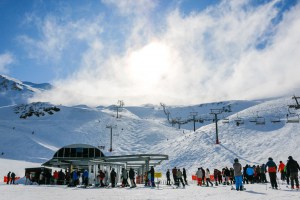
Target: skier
point(124, 177)
point(13, 177)
point(272, 168)
point(203, 175)
point(152, 176)
point(168, 177)
point(199, 177)
point(184, 176)
point(8, 177)
point(245, 174)
point(179, 178)
point(292, 170)
point(85, 178)
point(174, 172)
point(113, 176)
point(238, 176)
point(226, 175)
point(101, 177)
point(55, 176)
point(75, 178)
point(216, 176)
point(131, 177)
point(263, 173)
point(281, 170)
point(207, 176)
point(250, 174)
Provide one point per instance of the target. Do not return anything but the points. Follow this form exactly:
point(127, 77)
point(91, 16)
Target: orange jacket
point(281, 167)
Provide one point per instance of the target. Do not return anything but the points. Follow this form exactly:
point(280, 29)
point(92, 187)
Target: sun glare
point(150, 64)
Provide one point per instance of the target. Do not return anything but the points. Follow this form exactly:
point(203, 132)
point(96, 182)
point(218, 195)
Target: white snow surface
point(144, 129)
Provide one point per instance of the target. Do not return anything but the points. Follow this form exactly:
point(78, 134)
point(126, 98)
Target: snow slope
point(145, 129)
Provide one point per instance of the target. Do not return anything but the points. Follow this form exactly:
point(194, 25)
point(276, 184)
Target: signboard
point(157, 174)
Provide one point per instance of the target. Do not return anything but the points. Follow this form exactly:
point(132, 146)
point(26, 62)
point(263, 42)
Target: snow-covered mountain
point(249, 130)
point(13, 91)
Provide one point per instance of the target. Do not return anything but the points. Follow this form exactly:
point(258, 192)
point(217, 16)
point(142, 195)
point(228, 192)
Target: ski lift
point(276, 119)
point(239, 120)
point(292, 118)
point(225, 120)
point(260, 121)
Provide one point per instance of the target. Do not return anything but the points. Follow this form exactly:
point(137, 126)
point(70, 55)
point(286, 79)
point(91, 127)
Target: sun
point(149, 64)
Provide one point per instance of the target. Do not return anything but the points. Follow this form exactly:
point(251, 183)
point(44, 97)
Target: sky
point(140, 51)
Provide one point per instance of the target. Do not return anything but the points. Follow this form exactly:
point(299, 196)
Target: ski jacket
point(113, 174)
point(179, 174)
point(226, 172)
point(168, 174)
point(292, 166)
point(207, 174)
point(237, 168)
point(281, 167)
point(199, 173)
point(152, 172)
point(250, 171)
point(75, 176)
point(184, 173)
point(55, 175)
point(85, 174)
point(131, 174)
point(272, 167)
point(124, 174)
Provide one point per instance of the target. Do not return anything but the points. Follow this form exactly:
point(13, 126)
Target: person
point(184, 176)
point(152, 176)
point(75, 178)
point(168, 177)
point(41, 177)
point(226, 175)
point(250, 174)
point(207, 176)
point(263, 178)
point(55, 176)
point(245, 180)
point(131, 177)
point(292, 167)
point(85, 177)
point(124, 177)
point(281, 167)
point(8, 178)
point(174, 172)
point(216, 176)
point(113, 176)
point(27, 181)
point(61, 177)
point(272, 168)
point(179, 177)
point(238, 176)
point(106, 183)
point(101, 178)
point(199, 177)
point(203, 175)
point(13, 177)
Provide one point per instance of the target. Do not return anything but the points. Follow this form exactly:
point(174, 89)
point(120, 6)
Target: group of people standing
point(288, 171)
point(11, 177)
point(178, 177)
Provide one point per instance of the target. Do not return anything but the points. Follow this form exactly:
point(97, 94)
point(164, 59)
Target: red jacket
point(281, 167)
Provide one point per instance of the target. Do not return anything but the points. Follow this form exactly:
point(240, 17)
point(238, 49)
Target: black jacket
point(292, 166)
point(131, 174)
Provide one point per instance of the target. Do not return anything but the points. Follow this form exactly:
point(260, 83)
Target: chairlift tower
point(194, 114)
point(216, 112)
point(111, 128)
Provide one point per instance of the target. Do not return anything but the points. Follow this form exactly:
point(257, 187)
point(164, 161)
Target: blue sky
point(87, 46)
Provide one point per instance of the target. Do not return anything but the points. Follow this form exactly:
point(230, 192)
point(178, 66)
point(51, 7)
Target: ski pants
point(238, 182)
point(273, 179)
point(294, 177)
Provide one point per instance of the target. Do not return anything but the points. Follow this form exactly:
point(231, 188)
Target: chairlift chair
point(239, 120)
point(276, 120)
point(225, 120)
point(260, 121)
point(292, 118)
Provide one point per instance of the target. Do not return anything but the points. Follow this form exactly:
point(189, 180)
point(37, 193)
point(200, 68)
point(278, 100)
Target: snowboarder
point(292, 170)
point(238, 176)
point(272, 168)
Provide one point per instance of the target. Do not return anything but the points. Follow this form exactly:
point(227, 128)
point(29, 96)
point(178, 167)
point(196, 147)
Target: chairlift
point(239, 120)
point(292, 118)
point(276, 120)
point(225, 120)
point(260, 121)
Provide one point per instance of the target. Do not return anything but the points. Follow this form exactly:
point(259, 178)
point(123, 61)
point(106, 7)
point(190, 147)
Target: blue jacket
point(250, 171)
point(85, 174)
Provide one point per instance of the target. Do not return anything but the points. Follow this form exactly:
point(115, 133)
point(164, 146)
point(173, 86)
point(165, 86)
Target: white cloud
point(205, 56)
point(5, 60)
